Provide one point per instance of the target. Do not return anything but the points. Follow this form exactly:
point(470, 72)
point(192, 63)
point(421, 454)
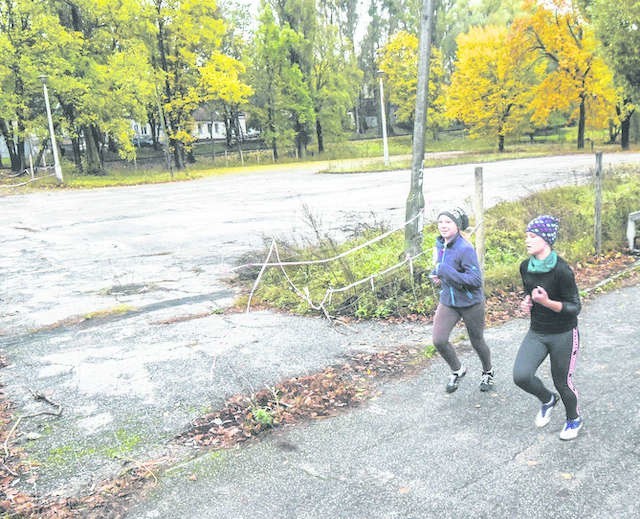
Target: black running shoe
point(454, 378)
point(486, 382)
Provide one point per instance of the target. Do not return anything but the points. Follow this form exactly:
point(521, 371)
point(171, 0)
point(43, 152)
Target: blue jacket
point(459, 272)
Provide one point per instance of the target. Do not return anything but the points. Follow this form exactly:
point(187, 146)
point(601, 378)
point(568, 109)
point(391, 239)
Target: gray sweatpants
point(562, 349)
point(446, 318)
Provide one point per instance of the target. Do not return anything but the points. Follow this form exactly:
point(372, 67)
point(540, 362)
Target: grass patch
point(125, 443)
point(66, 454)
point(109, 312)
point(356, 155)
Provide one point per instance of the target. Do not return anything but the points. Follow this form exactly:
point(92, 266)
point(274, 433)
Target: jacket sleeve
point(569, 294)
point(469, 275)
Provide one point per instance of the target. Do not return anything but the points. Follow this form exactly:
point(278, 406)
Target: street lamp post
point(56, 161)
point(383, 116)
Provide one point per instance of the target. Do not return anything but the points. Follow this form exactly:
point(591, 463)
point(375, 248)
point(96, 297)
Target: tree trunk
point(613, 132)
point(501, 143)
point(581, 124)
point(77, 154)
point(319, 136)
point(155, 133)
point(94, 164)
point(302, 139)
point(272, 129)
point(625, 131)
point(227, 129)
point(12, 147)
point(178, 153)
point(360, 121)
point(234, 117)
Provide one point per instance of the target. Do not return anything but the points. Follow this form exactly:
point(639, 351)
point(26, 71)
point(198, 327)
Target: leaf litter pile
point(319, 395)
point(247, 417)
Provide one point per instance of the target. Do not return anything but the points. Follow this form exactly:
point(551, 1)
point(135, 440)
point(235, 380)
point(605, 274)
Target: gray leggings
point(562, 349)
point(446, 318)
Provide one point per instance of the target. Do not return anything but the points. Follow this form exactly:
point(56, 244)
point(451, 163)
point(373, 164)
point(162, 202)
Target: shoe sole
point(542, 423)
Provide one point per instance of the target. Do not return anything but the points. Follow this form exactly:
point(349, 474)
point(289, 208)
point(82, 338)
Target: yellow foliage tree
point(399, 62)
point(577, 80)
point(491, 83)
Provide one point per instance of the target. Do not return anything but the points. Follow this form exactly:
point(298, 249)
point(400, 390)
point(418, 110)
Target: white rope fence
point(34, 179)
point(326, 299)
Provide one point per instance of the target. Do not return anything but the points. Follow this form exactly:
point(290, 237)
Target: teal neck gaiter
point(540, 266)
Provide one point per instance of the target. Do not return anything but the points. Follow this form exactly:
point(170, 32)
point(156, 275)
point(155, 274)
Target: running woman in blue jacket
point(461, 297)
point(553, 300)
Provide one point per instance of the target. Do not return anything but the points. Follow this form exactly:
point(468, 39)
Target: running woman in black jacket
point(553, 301)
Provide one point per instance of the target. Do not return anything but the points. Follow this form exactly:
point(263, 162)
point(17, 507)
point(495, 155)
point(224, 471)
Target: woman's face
point(447, 227)
point(535, 244)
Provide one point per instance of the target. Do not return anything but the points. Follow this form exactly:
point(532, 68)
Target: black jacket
point(560, 284)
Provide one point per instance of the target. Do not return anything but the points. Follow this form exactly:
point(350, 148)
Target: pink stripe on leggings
point(572, 365)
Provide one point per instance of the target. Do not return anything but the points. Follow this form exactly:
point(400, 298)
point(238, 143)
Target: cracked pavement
point(131, 381)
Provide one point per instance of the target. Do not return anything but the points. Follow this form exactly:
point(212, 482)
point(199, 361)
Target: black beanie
point(458, 216)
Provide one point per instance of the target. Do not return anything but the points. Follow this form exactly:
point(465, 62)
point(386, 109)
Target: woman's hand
point(540, 296)
point(526, 304)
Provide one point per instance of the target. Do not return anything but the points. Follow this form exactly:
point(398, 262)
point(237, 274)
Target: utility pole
point(598, 208)
point(415, 200)
point(56, 160)
point(383, 119)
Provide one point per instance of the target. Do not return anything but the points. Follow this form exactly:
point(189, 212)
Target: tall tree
point(335, 80)
point(301, 16)
point(455, 17)
point(372, 41)
point(578, 80)
point(399, 62)
point(490, 83)
point(227, 76)
point(188, 38)
point(280, 100)
point(344, 15)
point(31, 41)
point(106, 76)
point(618, 27)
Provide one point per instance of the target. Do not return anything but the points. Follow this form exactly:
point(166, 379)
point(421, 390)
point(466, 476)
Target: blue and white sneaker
point(544, 415)
point(571, 428)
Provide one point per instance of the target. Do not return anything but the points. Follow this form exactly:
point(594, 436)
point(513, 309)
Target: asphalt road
point(128, 384)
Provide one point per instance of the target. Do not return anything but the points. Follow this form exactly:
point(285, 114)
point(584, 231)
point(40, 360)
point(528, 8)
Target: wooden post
point(478, 209)
point(598, 208)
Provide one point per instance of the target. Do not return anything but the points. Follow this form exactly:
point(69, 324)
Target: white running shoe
point(544, 415)
point(571, 429)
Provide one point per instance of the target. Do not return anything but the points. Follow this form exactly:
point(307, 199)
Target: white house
point(207, 125)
